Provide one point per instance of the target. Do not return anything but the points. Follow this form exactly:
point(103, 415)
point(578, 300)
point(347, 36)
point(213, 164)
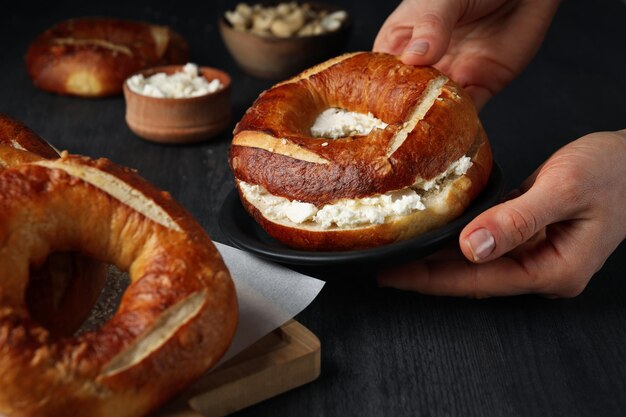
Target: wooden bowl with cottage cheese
point(178, 103)
point(275, 40)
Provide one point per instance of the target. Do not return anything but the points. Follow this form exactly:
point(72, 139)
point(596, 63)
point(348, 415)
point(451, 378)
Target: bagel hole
point(109, 300)
point(71, 293)
point(335, 123)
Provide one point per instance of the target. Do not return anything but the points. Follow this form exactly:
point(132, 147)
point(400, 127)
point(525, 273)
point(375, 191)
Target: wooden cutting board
point(284, 359)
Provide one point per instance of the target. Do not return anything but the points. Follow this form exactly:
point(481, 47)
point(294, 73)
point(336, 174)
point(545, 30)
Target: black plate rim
point(277, 252)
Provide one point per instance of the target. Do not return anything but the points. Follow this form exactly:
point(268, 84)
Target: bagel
point(91, 57)
point(175, 320)
point(424, 160)
point(18, 136)
point(61, 292)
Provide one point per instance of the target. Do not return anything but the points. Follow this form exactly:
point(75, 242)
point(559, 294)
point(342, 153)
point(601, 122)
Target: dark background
point(386, 352)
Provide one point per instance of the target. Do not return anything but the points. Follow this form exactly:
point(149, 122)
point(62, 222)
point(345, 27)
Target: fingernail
point(481, 242)
point(418, 47)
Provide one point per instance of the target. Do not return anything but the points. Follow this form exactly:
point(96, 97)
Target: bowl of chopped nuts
point(278, 40)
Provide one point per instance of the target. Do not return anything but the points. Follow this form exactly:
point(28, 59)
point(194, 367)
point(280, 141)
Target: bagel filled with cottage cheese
point(359, 151)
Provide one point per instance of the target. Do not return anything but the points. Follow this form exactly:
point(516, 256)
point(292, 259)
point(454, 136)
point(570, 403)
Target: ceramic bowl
point(179, 120)
point(276, 58)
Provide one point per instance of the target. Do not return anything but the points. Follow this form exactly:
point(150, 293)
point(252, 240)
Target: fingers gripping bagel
point(62, 291)
point(175, 320)
point(410, 155)
point(91, 57)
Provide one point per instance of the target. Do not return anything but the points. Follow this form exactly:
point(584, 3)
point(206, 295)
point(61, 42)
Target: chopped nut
point(244, 10)
point(263, 20)
point(235, 18)
point(295, 19)
point(284, 9)
point(317, 28)
point(329, 24)
point(339, 15)
point(282, 29)
point(306, 30)
point(286, 19)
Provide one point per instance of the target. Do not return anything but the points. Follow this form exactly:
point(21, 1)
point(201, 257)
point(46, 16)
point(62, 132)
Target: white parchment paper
point(269, 295)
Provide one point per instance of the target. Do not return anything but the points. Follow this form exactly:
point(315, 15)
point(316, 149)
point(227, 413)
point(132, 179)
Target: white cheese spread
point(336, 123)
point(344, 213)
point(350, 212)
point(184, 84)
point(457, 168)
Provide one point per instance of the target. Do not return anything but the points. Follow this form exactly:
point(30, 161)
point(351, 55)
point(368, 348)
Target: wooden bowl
point(276, 58)
point(179, 120)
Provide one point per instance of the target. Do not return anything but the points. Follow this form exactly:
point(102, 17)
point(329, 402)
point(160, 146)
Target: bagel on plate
point(91, 57)
point(359, 151)
point(62, 291)
point(175, 320)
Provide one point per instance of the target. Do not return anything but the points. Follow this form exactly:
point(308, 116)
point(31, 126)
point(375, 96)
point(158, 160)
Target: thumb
point(434, 21)
point(504, 227)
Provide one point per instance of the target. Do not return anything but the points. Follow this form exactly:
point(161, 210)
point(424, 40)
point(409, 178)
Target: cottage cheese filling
point(351, 212)
point(335, 123)
point(457, 168)
point(184, 84)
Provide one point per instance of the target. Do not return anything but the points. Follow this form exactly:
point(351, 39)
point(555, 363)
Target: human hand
point(569, 217)
point(482, 44)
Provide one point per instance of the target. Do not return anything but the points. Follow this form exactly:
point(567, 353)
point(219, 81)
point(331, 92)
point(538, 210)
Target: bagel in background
point(426, 159)
point(91, 57)
point(61, 291)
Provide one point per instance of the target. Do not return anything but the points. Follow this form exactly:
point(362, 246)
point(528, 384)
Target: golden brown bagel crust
point(175, 320)
point(18, 136)
point(359, 166)
point(431, 124)
point(61, 292)
point(91, 57)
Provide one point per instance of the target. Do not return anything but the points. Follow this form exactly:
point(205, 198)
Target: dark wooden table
point(388, 352)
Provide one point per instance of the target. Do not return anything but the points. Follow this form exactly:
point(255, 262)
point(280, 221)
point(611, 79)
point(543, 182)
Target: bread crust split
point(176, 318)
point(91, 57)
point(431, 122)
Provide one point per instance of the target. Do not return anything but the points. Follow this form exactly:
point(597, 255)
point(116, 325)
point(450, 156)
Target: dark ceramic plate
point(246, 234)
